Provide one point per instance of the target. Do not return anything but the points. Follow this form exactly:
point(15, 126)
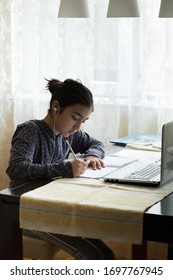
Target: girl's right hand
point(79, 167)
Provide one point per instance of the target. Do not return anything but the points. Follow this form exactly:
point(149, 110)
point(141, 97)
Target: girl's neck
point(51, 123)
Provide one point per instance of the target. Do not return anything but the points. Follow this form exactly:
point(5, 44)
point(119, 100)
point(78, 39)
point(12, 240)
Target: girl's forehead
point(80, 110)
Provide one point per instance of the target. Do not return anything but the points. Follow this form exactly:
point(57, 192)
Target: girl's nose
point(77, 126)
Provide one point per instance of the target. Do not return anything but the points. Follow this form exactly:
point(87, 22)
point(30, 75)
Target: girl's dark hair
point(69, 92)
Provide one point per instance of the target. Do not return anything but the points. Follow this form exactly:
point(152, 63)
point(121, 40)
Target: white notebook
point(111, 164)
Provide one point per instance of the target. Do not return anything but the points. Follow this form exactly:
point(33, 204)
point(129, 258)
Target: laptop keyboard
point(145, 173)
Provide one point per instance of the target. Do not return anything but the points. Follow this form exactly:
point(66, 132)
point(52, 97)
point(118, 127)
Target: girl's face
point(70, 119)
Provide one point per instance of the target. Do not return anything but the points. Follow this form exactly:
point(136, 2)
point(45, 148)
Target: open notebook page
point(111, 164)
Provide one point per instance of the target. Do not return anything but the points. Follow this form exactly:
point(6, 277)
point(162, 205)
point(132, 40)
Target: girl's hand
point(94, 162)
point(79, 166)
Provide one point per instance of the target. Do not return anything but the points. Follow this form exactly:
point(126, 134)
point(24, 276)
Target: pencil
point(75, 157)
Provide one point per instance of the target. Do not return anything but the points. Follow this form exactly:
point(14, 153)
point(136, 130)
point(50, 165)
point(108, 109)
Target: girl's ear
point(55, 109)
point(55, 106)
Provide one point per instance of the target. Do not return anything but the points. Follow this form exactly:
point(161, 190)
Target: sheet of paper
point(138, 154)
point(117, 161)
point(99, 173)
point(111, 164)
point(143, 148)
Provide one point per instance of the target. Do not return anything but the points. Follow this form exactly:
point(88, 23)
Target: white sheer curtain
point(6, 100)
point(127, 63)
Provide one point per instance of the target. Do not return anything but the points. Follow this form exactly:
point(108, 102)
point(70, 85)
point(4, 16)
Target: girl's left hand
point(94, 162)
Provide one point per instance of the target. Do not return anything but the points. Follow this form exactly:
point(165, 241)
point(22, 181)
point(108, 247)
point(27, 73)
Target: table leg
point(139, 252)
point(170, 251)
point(10, 241)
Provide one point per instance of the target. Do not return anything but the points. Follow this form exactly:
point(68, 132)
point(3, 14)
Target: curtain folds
point(127, 64)
point(6, 99)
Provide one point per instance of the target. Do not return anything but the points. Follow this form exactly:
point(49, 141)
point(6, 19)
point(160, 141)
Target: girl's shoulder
point(35, 127)
point(27, 128)
point(28, 125)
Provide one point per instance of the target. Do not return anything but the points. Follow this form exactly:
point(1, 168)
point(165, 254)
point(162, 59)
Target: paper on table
point(99, 173)
point(143, 148)
point(114, 161)
point(111, 164)
point(157, 145)
point(138, 154)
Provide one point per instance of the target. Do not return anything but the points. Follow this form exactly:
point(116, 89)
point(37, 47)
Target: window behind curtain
point(127, 63)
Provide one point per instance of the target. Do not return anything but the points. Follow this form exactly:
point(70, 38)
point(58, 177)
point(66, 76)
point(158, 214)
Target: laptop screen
point(167, 152)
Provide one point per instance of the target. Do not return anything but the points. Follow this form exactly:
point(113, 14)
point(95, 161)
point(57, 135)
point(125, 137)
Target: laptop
point(153, 173)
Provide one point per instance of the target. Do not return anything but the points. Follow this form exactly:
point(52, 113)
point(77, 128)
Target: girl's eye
point(75, 118)
point(78, 118)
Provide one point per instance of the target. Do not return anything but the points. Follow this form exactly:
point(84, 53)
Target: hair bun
point(53, 84)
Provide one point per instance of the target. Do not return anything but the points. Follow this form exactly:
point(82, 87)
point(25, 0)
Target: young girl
point(40, 151)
